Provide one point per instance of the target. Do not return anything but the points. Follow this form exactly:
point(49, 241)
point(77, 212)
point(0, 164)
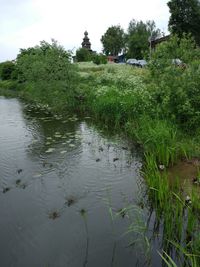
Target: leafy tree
point(7, 69)
point(47, 75)
point(113, 40)
point(185, 18)
point(138, 36)
point(47, 62)
point(83, 55)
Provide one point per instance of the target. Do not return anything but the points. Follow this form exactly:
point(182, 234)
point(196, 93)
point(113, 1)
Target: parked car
point(132, 61)
point(142, 63)
point(138, 63)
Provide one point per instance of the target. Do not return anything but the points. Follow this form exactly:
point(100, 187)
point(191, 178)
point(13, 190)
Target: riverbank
point(126, 98)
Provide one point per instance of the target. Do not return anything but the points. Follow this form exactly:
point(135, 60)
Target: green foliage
point(47, 62)
point(137, 38)
point(176, 90)
point(158, 137)
point(7, 69)
point(113, 40)
point(47, 74)
point(83, 55)
point(118, 95)
point(100, 59)
point(185, 18)
point(8, 85)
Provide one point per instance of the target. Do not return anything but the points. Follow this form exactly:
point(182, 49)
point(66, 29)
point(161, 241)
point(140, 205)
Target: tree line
point(184, 19)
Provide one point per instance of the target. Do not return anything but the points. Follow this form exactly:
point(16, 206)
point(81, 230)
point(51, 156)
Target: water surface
point(62, 182)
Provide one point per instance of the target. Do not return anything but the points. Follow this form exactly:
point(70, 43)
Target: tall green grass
point(159, 139)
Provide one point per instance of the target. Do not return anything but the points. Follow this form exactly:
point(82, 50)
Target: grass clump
point(159, 138)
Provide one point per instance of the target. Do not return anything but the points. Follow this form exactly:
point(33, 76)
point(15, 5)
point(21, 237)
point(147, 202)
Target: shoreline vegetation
point(157, 106)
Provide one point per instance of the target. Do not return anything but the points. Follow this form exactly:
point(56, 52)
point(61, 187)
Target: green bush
point(175, 89)
point(47, 74)
point(83, 55)
point(100, 59)
point(7, 70)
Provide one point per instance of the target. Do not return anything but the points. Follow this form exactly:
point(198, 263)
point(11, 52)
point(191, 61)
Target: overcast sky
point(24, 23)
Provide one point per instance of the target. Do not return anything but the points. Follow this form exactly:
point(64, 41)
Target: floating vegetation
point(58, 135)
point(100, 149)
point(54, 215)
point(50, 150)
point(48, 143)
point(63, 152)
point(19, 171)
point(71, 145)
point(18, 181)
point(37, 175)
point(6, 189)
point(83, 212)
point(70, 201)
point(23, 186)
point(122, 212)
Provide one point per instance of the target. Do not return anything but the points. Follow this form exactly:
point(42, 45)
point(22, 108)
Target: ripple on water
point(62, 177)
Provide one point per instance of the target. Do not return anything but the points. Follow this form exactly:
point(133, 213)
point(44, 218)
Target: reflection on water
point(59, 178)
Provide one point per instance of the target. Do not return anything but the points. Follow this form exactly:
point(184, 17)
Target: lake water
point(63, 183)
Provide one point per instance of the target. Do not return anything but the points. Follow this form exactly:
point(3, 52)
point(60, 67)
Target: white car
point(138, 63)
point(132, 61)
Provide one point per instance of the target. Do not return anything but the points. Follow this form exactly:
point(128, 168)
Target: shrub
point(83, 55)
point(7, 69)
point(100, 59)
point(176, 90)
point(47, 74)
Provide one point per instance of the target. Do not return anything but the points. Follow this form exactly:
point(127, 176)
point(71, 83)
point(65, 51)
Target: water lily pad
point(50, 150)
point(37, 175)
point(71, 145)
point(58, 135)
point(63, 152)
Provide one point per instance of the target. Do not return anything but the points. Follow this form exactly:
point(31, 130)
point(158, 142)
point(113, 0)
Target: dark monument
point(86, 42)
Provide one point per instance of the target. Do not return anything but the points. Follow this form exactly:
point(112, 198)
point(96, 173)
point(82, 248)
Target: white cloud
point(26, 22)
